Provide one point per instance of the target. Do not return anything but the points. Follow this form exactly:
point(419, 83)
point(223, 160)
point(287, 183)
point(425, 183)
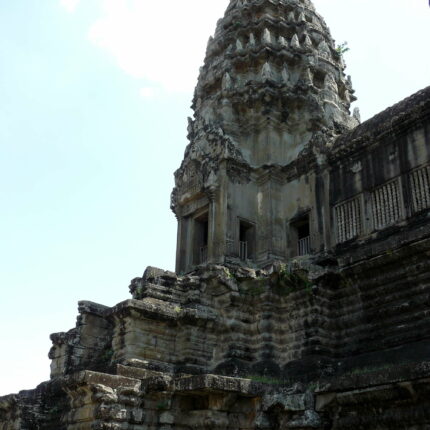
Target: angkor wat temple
point(301, 298)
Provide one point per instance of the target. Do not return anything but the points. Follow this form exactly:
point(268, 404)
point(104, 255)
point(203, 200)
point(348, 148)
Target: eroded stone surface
point(303, 287)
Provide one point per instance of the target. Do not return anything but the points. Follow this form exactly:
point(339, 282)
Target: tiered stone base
point(384, 399)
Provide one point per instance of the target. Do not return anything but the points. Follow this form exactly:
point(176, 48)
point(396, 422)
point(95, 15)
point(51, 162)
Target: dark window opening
point(193, 403)
point(319, 80)
point(301, 236)
point(201, 239)
point(303, 230)
point(246, 240)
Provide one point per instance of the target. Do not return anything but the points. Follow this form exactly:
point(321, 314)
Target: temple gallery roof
point(405, 112)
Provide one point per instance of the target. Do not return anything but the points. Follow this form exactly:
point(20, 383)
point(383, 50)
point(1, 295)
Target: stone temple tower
point(271, 98)
point(302, 294)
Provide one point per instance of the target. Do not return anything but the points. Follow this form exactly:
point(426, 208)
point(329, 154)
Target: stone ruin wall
point(338, 339)
point(144, 378)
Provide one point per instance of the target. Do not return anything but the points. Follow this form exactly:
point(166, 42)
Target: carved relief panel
point(190, 182)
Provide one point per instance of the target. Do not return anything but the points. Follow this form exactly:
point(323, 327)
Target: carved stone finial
point(330, 83)
point(307, 77)
point(190, 128)
point(356, 114)
point(308, 42)
point(295, 42)
point(283, 42)
point(266, 72)
point(285, 75)
point(267, 37)
point(302, 18)
point(227, 82)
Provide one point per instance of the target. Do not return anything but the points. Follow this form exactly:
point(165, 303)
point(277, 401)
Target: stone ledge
point(93, 308)
point(136, 372)
point(149, 308)
point(376, 377)
point(219, 383)
point(95, 378)
point(396, 392)
point(199, 384)
point(167, 311)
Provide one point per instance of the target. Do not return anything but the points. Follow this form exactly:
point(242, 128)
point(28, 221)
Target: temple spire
point(263, 44)
point(271, 97)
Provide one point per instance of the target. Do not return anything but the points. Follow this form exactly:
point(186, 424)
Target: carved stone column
point(218, 217)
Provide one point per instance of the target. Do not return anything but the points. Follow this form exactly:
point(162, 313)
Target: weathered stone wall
point(290, 324)
point(388, 399)
point(87, 346)
point(237, 322)
point(388, 320)
point(336, 338)
point(41, 408)
point(315, 344)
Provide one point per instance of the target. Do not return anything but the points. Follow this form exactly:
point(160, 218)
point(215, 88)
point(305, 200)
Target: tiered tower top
point(272, 78)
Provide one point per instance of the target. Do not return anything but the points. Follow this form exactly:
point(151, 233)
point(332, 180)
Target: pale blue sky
point(94, 101)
